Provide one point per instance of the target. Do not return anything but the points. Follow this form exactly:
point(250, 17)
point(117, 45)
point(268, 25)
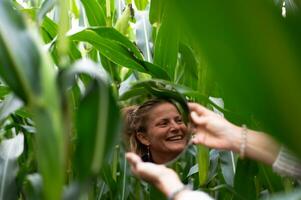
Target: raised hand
point(213, 130)
point(163, 178)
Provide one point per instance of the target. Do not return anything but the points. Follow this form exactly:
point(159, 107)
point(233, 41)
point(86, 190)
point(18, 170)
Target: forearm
point(169, 183)
point(173, 188)
point(259, 146)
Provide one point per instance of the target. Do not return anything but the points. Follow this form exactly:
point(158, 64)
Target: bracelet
point(243, 144)
point(175, 193)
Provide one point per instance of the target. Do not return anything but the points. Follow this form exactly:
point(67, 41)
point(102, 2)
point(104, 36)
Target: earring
point(148, 153)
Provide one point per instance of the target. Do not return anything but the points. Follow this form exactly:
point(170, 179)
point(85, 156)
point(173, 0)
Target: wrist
point(169, 183)
point(236, 138)
point(178, 193)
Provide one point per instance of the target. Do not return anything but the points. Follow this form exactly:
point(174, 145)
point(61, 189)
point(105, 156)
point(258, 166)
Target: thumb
point(198, 120)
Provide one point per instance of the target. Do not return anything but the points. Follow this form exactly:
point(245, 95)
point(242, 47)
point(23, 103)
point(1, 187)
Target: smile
point(175, 138)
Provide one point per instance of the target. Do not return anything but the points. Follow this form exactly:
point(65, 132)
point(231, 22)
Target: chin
point(177, 148)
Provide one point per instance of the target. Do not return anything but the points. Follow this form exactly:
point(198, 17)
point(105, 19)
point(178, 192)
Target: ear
point(142, 137)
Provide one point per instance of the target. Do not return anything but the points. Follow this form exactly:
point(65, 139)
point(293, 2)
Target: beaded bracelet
point(243, 144)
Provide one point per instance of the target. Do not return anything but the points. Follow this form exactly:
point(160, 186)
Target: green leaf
point(9, 105)
point(113, 34)
point(293, 195)
point(4, 90)
point(156, 11)
point(160, 89)
point(167, 44)
point(227, 163)
point(94, 13)
point(49, 28)
point(46, 6)
point(19, 66)
point(33, 186)
point(111, 49)
point(203, 164)
point(187, 70)
point(10, 150)
point(245, 173)
point(250, 59)
point(97, 120)
point(115, 47)
point(141, 4)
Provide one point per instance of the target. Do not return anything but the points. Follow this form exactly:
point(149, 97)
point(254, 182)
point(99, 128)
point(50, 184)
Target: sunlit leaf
point(10, 150)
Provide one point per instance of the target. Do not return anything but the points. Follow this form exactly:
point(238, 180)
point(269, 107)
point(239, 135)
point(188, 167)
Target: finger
point(133, 158)
point(198, 120)
point(200, 138)
point(201, 110)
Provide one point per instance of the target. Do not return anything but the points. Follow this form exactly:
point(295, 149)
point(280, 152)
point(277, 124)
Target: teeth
point(178, 137)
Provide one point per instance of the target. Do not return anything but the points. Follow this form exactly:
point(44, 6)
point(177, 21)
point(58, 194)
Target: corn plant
point(67, 67)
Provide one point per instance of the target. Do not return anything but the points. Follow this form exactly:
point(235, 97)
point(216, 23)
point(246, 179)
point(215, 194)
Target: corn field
point(67, 67)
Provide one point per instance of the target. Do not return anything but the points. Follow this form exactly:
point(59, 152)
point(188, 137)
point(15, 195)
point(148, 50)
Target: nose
point(174, 126)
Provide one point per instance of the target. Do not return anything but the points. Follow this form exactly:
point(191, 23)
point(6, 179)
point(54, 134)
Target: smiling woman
point(155, 130)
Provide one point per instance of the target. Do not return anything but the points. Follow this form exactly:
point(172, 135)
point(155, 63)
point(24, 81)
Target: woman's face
point(166, 131)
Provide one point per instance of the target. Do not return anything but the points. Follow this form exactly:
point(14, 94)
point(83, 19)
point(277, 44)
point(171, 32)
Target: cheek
point(157, 134)
point(184, 128)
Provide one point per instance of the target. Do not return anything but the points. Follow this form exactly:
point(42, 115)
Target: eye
point(163, 123)
point(179, 120)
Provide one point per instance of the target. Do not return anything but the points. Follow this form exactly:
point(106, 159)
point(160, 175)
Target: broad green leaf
point(156, 11)
point(4, 90)
point(113, 34)
point(293, 195)
point(159, 89)
point(19, 66)
point(29, 73)
point(228, 166)
point(49, 29)
point(203, 164)
point(270, 179)
point(10, 150)
point(156, 71)
point(245, 173)
point(94, 13)
point(111, 49)
point(97, 120)
point(141, 4)
point(116, 50)
point(251, 57)
point(187, 70)
point(74, 8)
point(9, 105)
point(33, 186)
point(167, 44)
point(133, 93)
point(46, 6)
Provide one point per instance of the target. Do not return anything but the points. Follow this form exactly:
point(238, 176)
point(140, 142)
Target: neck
point(162, 158)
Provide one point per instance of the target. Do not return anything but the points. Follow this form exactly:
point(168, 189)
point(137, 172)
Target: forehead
point(163, 110)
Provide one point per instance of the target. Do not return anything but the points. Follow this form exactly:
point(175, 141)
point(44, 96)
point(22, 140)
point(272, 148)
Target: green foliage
point(60, 99)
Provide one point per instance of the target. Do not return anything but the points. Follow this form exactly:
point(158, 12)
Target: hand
point(165, 179)
point(212, 130)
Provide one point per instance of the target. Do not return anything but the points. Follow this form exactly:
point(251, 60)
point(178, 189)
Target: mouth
point(175, 138)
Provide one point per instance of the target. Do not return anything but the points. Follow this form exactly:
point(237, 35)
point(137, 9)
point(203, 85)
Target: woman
point(155, 130)
point(216, 132)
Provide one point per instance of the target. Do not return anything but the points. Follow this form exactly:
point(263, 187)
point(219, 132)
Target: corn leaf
point(10, 150)
point(94, 13)
point(19, 66)
point(97, 120)
point(115, 47)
